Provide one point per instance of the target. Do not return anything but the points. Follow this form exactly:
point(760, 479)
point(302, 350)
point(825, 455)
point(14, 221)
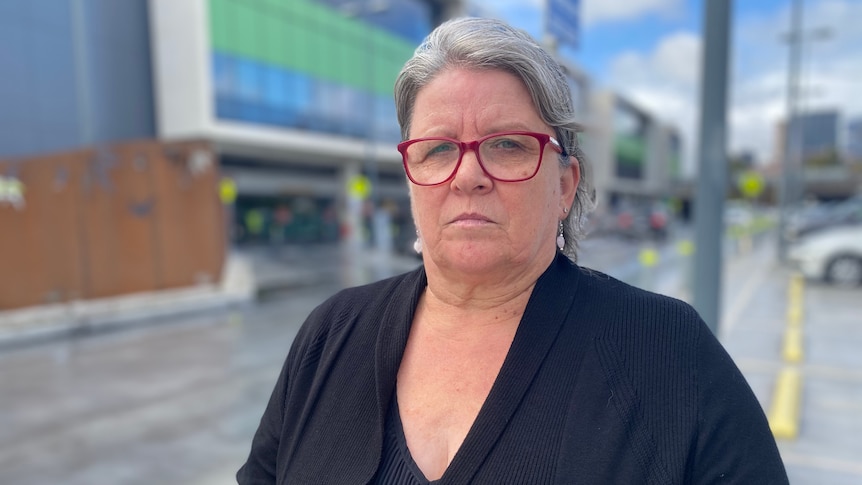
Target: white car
point(833, 255)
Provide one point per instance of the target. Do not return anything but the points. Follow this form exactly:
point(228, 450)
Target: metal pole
point(791, 128)
point(712, 173)
point(81, 51)
point(378, 225)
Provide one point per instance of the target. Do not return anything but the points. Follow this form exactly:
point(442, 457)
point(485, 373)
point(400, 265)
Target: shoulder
point(620, 306)
point(651, 339)
point(361, 304)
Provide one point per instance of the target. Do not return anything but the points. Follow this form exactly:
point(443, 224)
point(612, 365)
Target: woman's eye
point(505, 144)
point(442, 148)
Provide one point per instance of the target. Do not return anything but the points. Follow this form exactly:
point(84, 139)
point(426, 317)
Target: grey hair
point(479, 43)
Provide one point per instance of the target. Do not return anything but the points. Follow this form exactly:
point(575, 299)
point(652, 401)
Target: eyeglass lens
point(507, 157)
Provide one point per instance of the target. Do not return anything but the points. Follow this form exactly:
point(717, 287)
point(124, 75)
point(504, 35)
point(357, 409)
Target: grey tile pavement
point(828, 446)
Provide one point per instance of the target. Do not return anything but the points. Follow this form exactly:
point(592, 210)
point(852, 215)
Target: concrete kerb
point(37, 324)
point(82, 317)
point(245, 279)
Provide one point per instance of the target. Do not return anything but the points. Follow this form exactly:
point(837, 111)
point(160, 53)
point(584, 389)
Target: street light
point(791, 177)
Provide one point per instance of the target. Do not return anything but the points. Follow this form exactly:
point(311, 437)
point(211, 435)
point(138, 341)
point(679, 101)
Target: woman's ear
point(570, 177)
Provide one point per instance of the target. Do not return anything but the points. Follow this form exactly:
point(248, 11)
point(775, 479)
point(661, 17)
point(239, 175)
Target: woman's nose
point(470, 175)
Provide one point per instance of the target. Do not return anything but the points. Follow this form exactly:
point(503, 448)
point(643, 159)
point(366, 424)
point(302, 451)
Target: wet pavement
point(827, 448)
point(175, 401)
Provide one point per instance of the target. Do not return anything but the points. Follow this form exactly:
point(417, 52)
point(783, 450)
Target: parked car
point(822, 216)
point(833, 255)
point(641, 222)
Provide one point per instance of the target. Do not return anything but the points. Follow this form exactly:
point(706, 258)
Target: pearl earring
point(561, 240)
point(417, 244)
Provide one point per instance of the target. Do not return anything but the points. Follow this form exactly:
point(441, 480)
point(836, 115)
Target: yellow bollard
point(648, 257)
point(685, 247)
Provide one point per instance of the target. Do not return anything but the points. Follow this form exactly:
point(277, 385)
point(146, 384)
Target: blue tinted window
point(224, 75)
point(275, 82)
point(249, 82)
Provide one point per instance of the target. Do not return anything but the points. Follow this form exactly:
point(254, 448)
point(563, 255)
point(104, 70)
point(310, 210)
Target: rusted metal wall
point(131, 217)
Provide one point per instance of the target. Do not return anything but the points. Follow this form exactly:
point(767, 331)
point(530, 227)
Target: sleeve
point(734, 443)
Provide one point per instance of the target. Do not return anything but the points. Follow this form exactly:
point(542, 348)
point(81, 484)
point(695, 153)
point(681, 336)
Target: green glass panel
point(218, 26)
point(244, 38)
point(353, 61)
point(629, 150)
point(675, 166)
point(294, 52)
point(274, 39)
point(311, 38)
point(326, 55)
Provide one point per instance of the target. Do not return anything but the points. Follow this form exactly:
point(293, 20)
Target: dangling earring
point(561, 240)
point(417, 244)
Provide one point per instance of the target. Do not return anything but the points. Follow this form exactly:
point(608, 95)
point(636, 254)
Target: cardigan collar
point(546, 310)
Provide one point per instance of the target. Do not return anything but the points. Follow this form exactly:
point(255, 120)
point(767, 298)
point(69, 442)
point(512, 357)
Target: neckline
point(543, 318)
point(401, 439)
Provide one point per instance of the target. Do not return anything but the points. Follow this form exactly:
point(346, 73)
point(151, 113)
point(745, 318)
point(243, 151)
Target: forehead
point(463, 99)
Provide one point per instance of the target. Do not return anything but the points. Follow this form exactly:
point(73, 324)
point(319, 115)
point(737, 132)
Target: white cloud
point(603, 11)
point(830, 70)
point(756, 104)
point(666, 80)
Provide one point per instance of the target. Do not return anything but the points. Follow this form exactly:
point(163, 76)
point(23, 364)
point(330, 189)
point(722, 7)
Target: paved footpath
point(827, 404)
point(817, 419)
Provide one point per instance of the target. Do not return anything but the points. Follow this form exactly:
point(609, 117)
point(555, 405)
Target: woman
point(500, 360)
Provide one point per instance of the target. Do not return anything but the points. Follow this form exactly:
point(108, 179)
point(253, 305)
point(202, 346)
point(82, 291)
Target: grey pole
point(791, 129)
point(712, 172)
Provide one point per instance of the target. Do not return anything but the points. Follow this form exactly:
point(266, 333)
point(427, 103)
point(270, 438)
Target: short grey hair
point(479, 43)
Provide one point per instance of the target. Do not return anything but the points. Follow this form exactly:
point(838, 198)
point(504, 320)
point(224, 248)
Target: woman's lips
point(471, 219)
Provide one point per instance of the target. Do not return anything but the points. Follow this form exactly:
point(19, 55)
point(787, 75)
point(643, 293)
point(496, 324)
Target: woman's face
point(473, 223)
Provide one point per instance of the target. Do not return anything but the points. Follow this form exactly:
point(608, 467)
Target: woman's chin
point(473, 257)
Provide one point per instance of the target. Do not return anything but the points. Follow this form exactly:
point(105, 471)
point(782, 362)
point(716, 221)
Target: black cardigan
point(604, 383)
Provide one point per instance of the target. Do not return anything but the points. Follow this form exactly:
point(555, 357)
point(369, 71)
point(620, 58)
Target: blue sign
point(562, 21)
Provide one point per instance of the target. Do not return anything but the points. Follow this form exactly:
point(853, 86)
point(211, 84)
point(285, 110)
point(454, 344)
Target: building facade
point(293, 96)
point(853, 143)
point(75, 73)
point(815, 138)
point(297, 98)
point(816, 159)
point(636, 158)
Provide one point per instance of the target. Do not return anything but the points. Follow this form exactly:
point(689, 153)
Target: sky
point(650, 52)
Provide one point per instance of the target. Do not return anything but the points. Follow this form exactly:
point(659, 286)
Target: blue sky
point(649, 51)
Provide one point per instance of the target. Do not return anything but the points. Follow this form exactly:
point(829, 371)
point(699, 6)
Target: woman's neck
point(461, 302)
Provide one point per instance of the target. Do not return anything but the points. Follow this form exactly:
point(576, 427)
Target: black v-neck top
point(603, 383)
point(397, 466)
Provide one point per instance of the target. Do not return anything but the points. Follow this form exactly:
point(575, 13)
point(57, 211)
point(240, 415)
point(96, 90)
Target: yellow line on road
point(795, 300)
point(792, 351)
point(784, 409)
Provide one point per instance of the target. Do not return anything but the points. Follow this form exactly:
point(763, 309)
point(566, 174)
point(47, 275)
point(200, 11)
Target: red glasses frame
point(463, 146)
